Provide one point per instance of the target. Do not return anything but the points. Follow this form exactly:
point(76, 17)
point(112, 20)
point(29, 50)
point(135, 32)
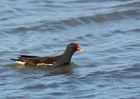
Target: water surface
point(108, 30)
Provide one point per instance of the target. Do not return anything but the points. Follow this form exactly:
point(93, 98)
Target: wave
point(82, 20)
point(134, 3)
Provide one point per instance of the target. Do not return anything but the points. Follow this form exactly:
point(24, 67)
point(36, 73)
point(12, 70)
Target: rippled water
point(108, 30)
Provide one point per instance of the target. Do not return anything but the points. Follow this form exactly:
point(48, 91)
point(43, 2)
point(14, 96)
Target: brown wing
point(34, 60)
point(47, 60)
point(29, 60)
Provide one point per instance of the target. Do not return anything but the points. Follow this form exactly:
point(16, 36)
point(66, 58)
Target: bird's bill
point(80, 50)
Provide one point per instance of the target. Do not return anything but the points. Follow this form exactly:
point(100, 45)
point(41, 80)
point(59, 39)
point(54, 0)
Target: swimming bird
point(49, 61)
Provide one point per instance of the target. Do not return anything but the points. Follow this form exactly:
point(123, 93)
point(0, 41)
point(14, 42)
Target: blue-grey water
point(108, 30)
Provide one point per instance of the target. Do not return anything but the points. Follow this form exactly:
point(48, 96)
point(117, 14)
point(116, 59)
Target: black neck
point(68, 55)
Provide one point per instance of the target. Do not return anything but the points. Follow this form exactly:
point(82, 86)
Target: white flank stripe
point(43, 64)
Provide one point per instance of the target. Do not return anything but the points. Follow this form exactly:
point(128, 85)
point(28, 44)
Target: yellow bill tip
point(81, 50)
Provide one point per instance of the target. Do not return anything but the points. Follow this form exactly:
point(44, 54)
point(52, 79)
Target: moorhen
point(53, 61)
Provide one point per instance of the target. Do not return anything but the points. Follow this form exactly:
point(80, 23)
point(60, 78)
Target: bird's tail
point(15, 59)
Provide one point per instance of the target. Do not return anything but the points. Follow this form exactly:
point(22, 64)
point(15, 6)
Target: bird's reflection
point(66, 69)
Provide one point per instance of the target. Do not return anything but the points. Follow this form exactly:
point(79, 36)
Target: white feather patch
point(45, 64)
point(20, 62)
